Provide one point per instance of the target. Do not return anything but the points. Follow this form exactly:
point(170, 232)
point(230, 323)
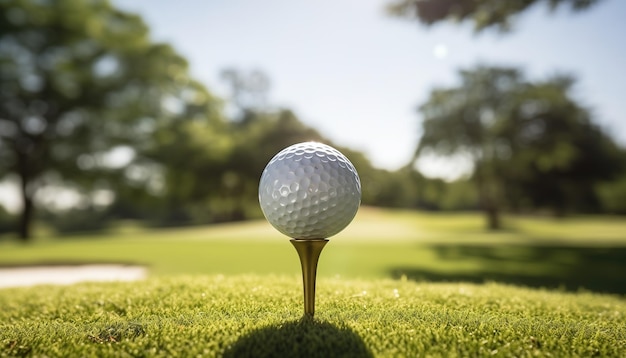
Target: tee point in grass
point(309, 191)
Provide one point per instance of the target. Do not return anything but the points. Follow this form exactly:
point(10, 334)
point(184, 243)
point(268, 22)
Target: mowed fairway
point(394, 284)
point(582, 252)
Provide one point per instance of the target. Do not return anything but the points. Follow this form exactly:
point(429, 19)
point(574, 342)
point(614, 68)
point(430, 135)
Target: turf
point(393, 284)
point(575, 253)
point(259, 315)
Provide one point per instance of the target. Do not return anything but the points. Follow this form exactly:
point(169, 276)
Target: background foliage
point(91, 105)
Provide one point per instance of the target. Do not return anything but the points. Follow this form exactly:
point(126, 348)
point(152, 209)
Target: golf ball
point(309, 191)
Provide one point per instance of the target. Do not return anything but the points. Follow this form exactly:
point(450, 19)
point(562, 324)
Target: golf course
point(394, 283)
point(385, 178)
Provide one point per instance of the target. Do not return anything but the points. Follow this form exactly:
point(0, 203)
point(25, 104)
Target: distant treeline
point(195, 180)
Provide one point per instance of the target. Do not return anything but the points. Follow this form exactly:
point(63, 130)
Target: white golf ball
point(309, 191)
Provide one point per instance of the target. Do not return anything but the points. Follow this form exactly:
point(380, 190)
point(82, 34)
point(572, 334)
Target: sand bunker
point(66, 275)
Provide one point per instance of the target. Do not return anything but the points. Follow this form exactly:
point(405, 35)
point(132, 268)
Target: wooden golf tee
point(309, 253)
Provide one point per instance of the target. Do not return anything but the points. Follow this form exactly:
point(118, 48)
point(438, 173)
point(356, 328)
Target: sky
point(358, 75)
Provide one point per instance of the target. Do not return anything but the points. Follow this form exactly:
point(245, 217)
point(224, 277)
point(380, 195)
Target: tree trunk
point(26, 217)
point(28, 204)
point(488, 196)
point(493, 217)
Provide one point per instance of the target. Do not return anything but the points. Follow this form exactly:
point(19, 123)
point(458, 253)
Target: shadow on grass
point(304, 338)
point(598, 269)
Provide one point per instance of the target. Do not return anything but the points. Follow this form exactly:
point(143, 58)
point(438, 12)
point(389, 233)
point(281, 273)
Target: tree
point(248, 90)
point(210, 172)
point(531, 143)
point(78, 79)
point(484, 14)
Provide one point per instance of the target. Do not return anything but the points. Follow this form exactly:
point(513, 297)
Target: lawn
point(582, 252)
point(395, 283)
point(259, 315)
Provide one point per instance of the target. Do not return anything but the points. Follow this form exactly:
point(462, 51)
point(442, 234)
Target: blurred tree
point(7, 223)
point(385, 188)
point(530, 143)
point(80, 78)
point(459, 195)
point(612, 193)
point(189, 158)
point(259, 136)
point(214, 172)
point(483, 13)
point(248, 91)
point(613, 196)
point(210, 172)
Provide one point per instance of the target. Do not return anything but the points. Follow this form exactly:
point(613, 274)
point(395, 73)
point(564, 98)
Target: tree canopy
point(484, 14)
point(532, 145)
point(80, 78)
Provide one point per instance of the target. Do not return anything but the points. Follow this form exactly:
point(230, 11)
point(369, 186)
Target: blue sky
point(357, 75)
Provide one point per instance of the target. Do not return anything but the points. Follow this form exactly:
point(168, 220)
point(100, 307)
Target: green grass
point(259, 315)
point(582, 252)
point(394, 283)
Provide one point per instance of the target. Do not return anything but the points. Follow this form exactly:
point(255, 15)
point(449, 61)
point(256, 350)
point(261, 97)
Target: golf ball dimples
point(309, 191)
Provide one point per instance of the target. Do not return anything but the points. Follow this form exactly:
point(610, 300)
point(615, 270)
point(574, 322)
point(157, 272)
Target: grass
point(259, 315)
point(583, 252)
point(394, 283)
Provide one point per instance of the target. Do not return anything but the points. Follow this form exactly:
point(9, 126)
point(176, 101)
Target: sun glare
point(440, 51)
